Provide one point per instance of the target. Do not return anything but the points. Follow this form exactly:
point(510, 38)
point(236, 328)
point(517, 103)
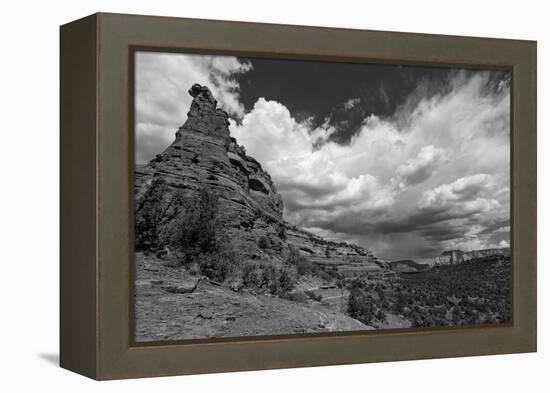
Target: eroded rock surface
point(453, 257)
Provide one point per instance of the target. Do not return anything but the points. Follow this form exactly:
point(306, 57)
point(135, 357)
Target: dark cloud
point(320, 89)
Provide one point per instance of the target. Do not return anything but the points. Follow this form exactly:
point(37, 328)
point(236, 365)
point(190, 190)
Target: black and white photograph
point(288, 197)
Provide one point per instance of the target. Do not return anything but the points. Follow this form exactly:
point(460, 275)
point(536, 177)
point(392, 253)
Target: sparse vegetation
point(285, 281)
point(263, 242)
point(359, 306)
point(200, 239)
point(154, 211)
point(268, 277)
point(251, 274)
point(302, 265)
point(473, 292)
point(313, 296)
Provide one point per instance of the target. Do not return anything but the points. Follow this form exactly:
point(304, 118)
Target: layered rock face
point(347, 259)
point(457, 256)
point(203, 154)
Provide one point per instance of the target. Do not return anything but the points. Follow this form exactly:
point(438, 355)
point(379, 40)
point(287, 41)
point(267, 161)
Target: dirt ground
point(211, 310)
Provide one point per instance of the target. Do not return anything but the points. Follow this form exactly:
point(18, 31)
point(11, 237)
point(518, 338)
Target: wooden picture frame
point(96, 195)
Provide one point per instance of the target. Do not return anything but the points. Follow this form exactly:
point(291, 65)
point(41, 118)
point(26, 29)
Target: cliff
point(452, 257)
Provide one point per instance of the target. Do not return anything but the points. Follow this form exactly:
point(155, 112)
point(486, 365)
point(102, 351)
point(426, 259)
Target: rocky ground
point(172, 305)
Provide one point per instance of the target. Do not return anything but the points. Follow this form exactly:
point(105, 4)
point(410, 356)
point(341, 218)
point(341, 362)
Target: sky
point(405, 161)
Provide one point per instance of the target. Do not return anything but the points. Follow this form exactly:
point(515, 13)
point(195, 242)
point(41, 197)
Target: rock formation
point(452, 257)
point(204, 154)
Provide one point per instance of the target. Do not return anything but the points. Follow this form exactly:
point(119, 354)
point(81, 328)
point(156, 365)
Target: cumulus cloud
point(465, 189)
point(433, 176)
point(418, 169)
point(161, 98)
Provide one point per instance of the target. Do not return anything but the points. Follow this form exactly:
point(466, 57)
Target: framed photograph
point(242, 196)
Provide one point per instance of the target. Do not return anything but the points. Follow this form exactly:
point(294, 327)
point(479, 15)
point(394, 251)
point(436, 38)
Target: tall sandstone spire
point(204, 154)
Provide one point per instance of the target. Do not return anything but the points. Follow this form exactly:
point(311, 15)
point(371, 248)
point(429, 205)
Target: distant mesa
point(451, 257)
point(407, 266)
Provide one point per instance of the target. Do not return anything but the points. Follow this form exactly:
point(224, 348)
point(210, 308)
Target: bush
point(401, 302)
point(198, 229)
point(154, 211)
point(201, 239)
point(285, 281)
point(269, 278)
point(216, 265)
point(302, 265)
point(360, 308)
point(250, 275)
point(263, 242)
point(194, 269)
point(277, 281)
point(313, 296)
point(281, 232)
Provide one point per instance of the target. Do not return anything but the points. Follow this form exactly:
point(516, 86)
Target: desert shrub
point(401, 302)
point(302, 265)
point(277, 281)
point(281, 232)
point(359, 307)
point(293, 256)
point(285, 281)
point(313, 296)
point(269, 277)
point(217, 265)
point(263, 242)
point(194, 269)
point(200, 238)
point(154, 211)
point(197, 230)
point(250, 275)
